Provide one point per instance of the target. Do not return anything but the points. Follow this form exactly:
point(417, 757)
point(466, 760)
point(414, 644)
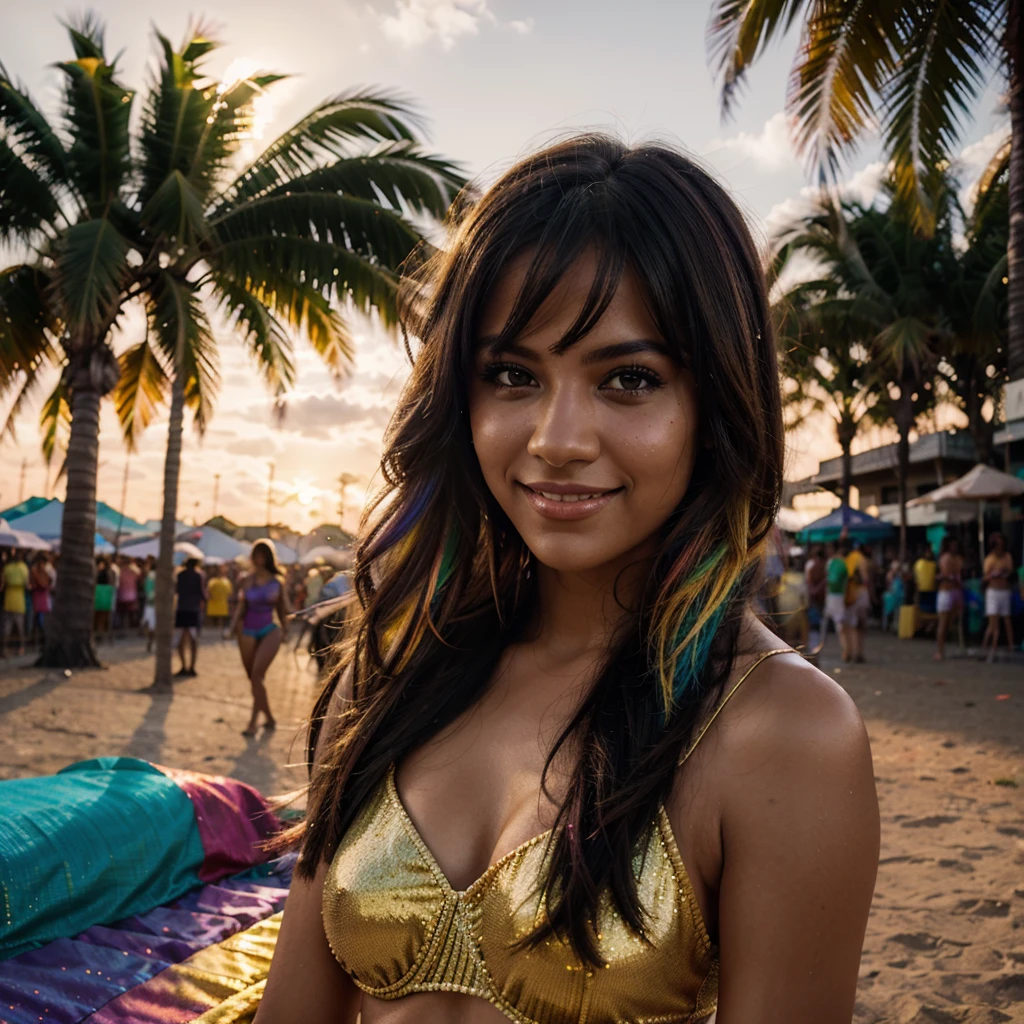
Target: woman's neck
point(580, 611)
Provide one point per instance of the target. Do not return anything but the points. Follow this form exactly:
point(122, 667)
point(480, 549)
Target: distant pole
point(124, 498)
point(216, 493)
point(21, 482)
point(343, 481)
point(270, 492)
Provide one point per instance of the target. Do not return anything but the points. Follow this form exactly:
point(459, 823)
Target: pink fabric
point(233, 819)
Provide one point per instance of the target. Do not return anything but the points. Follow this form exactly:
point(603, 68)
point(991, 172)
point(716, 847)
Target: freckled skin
point(572, 421)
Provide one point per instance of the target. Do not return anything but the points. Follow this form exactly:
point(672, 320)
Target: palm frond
point(396, 173)
point(176, 211)
point(181, 331)
point(845, 57)
point(141, 389)
point(27, 203)
point(55, 422)
point(269, 264)
point(28, 324)
point(30, 133)
point(263, 335)
point(738, 31)
point(98, 110)
point(945, 51)
point(327, 132)
point(363, 226)
point(91, 269)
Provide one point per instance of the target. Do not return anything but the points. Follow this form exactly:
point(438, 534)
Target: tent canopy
point(24, 507)
point(45, 521)
point(24, 539)
point(858, 526)
point(215, 545)
point(983, 483)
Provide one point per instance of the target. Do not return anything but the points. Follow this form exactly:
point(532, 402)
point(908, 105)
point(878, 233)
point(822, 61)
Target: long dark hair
point(438, 568)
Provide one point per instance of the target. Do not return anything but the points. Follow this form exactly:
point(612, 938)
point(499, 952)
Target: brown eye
point(632, 380)
point(511, 377)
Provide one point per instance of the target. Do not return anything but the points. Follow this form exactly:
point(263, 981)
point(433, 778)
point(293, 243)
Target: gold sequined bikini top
point(397, 926)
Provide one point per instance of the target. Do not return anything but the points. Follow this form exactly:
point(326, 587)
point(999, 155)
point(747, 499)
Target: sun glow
point(238, 70)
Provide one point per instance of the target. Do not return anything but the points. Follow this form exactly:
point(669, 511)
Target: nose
point(566, 428)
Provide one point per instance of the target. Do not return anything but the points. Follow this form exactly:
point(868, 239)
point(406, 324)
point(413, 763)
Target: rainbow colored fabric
point(135, 894)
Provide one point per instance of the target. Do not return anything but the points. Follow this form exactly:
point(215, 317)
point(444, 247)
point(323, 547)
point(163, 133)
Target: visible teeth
point(567, 497)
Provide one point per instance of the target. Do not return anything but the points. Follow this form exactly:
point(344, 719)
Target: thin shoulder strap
point(721, 704)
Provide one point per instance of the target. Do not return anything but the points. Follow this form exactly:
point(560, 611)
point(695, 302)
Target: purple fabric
point(234, 821)
point(69, 979)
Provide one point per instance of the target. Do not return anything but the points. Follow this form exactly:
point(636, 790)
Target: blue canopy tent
point(858, 526)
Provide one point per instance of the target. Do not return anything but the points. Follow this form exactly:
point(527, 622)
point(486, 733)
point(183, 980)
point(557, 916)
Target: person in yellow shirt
point(218, 609)
point(925, 576)
point(857, 601)
point(15, 581)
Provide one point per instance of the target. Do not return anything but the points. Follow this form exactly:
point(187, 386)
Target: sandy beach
point(945, 941)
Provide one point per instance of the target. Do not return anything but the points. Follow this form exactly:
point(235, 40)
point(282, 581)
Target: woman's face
point(259, 558)
point(588, 451)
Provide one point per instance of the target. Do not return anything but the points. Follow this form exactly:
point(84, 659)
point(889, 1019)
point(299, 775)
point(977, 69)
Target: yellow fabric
point(397, 927)
point(925, 571)
point(854, 560)
point(219, 590)
point(15, 581)
point(228, 977)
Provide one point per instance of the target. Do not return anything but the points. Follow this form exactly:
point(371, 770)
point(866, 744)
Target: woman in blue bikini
point(260, 594)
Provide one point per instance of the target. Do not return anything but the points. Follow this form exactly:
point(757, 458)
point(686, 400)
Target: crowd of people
point(125, 594)
point(844, 583)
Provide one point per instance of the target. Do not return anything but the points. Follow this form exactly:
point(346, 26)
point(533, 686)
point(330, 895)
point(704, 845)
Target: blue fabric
point(98, 842)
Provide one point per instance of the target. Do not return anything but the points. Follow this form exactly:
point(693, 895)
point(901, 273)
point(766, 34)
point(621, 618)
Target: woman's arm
point(800, 840)
point(283, 611)
point(306, 983)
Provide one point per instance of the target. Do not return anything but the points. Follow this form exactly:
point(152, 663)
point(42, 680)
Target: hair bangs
point(579, 223)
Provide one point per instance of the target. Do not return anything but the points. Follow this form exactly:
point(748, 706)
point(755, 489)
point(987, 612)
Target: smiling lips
point(566, 501)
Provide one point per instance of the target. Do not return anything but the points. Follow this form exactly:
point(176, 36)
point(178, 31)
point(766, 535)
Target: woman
point(106, 586)
point(41, 583)
point(539, 791)
point(260, 594)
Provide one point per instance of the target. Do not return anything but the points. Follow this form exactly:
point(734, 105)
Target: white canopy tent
point(981, 484)
point(216, 546)
point(24, 539)
point(146, 548)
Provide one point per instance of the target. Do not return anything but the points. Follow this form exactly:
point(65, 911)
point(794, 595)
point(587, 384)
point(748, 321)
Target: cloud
point(861, 187)
point(770, 148)
point(416, 22)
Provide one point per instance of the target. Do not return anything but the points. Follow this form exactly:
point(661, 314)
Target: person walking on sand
point(836, 575)
point(218, 611)
point(949, 599)
point(996, 576)
point(814, 576)
point(16, 579)
point(857, 600)
point(260, 595)
point(191, 590)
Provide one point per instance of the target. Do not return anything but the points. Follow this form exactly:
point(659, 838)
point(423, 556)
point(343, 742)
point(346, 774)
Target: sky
point(494, 79)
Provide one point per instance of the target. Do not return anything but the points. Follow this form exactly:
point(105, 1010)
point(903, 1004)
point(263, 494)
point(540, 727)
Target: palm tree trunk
point(846, 431)
point(69, 628)
point(1015, 247)
point(165, 564)
point(904, 423)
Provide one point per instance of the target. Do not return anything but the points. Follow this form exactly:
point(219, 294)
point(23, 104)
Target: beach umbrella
point(981, 484)
point(856, 524)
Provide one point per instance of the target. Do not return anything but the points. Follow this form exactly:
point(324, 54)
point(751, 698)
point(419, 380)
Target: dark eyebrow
point(493, 344)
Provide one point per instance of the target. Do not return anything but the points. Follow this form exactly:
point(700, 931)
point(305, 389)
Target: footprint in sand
point(919, 941)
point(933, 821)
point(957, 865)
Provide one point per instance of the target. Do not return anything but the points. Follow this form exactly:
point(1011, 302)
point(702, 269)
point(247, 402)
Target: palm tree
point(824, 356)
point(167, 219)
point(914, 67)
point(974, 301)
point(882, 283)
